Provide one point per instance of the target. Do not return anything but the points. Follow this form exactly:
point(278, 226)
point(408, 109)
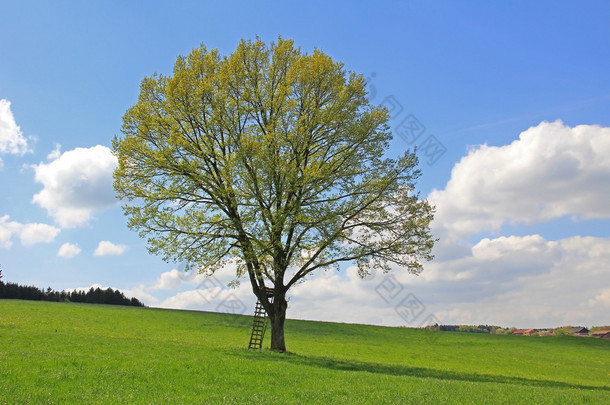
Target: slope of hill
point(78, 353)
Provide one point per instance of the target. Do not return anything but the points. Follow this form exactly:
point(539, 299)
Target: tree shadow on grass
point(419, 372)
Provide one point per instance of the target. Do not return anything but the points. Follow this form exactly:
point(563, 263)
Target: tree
point(273, 159)
point(596, 328)
point(563, 331)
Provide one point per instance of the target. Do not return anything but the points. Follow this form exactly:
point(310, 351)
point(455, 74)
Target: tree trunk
point(277, 317)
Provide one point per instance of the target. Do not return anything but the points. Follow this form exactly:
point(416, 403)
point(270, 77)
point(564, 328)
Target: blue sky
point(517, 94)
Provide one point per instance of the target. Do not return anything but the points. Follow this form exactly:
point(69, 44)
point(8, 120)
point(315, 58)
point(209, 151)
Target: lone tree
point(272, 158)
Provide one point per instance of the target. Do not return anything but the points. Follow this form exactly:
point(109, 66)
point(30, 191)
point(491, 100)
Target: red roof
point(522, 331)
point(600, 332)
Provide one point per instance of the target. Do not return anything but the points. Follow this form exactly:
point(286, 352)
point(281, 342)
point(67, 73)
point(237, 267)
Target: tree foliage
point(272, 158)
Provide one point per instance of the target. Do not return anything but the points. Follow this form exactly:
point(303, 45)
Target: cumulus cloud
point(491, 268)
point(174, 279)
point(106, 248)
point(12, 140)
point(343, 297)
point(603, 299)
point(7, 229)
point(68, 250)
point(56, 153)
point(215, 299)
point(85, 289)
point(529, 247)
point(142, 294)
point(513, 283)
point(29, 234)
point(523, 281)
point(76, 184)
point(37, 233)
point(184, 300)
point(552, 170)
point(191, 290)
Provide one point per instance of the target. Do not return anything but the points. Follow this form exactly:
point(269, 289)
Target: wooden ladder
point(259, 324)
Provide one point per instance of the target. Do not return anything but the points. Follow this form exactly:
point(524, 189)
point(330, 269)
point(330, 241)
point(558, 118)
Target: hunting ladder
point(259, 324)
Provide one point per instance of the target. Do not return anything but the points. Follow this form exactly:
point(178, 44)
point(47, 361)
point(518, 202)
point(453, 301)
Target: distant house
point(525, 332)
point(578, 330)
point(604, 334)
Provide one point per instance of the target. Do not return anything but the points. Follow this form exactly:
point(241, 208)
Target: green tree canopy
point(271, 157)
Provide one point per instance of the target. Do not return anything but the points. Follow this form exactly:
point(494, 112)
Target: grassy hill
point(82, 353)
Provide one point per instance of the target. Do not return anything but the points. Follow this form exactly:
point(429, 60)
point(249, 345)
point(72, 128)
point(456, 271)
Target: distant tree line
point(467, 328)
point(93, 296)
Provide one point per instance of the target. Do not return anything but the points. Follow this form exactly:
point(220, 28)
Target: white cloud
point(341, 297)
point(603, 299)
point(38, 233)
point(56, 153)
point(68, 250)
point(216, 299)
point(529, 247)
point(85, 289)
point(7, 229)
point(11, 137)
point(106, 248)
point(29, 234)
point(524, 281)
point(173, 280)
point(184, 300)
point(203, 292)
point(142, 294)
point(552, 283)
point(209, 293)
point(552, 170)
point(76, 184)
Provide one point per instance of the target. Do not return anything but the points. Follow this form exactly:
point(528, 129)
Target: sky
point(507, 104)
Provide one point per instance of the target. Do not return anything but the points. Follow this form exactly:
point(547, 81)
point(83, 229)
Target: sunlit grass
point(79, 353)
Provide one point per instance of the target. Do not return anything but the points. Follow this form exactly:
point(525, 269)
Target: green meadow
point(88, 354)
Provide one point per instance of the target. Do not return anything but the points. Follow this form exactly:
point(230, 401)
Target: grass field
point(81, 353)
